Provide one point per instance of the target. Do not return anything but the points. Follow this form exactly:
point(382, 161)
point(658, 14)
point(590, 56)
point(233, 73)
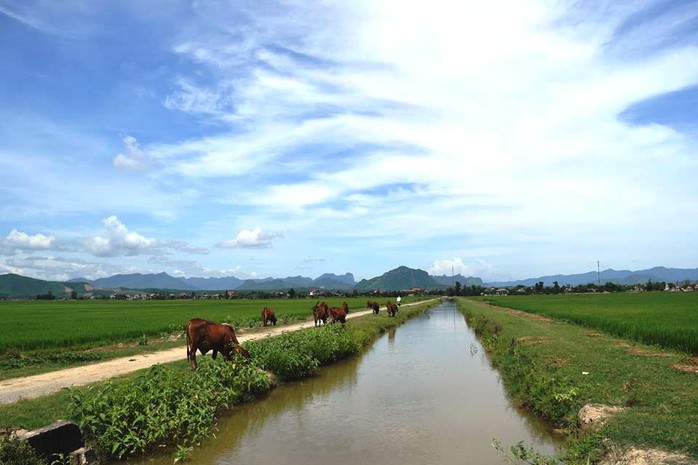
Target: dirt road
point(12, 390)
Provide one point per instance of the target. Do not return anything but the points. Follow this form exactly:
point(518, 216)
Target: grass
point(553, 368)
point(45, 325)
point(665, 319)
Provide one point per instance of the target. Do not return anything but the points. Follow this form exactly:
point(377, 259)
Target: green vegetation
point(162, 407)
point(553, 368)
point(18, 453)
point(296, 355)
point(666, 319)
point(73, 324)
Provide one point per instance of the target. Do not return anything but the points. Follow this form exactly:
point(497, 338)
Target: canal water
point(424, 393)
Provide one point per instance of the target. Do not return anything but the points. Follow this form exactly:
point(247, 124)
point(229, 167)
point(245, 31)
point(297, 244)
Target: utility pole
point(598, 272)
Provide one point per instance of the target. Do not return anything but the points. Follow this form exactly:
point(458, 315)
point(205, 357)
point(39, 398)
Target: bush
point(294, 356)
point(163, 407)
point(14, 452)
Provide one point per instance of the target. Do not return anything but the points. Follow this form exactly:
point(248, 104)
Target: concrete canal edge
point(60, 439)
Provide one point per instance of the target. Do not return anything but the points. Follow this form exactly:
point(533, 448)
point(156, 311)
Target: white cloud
point(448, 267)
point(135, 157)
point(20, 240)
point(118, 240)
point(251, 239)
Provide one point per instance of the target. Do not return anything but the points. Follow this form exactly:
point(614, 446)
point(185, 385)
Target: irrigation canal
point(423, 393)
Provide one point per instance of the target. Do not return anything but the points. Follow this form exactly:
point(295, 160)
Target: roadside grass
point(665, 319)
point(553, 368)
point(37, 362)
point(120, 398)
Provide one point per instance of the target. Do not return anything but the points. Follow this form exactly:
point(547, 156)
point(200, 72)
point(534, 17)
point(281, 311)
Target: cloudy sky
point(503, 139)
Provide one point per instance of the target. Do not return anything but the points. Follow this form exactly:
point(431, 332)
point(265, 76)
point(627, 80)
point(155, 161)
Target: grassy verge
point(169, 406)
point(554, 368)
point(666, 319)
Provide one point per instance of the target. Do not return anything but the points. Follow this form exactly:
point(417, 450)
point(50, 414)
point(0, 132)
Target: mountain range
point(401, 278)
point(623, 277)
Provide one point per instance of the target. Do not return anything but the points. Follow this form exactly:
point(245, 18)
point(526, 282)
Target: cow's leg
point(192, 357)
point(215, 354)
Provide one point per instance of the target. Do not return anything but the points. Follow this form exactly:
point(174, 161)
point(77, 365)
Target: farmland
point(76, 324)
point(667, 319)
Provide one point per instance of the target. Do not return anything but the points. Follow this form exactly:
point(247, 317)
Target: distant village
point(457, 290)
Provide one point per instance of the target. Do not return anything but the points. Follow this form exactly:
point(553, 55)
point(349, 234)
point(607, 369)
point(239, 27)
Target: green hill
point(14, 285)
point(401, 278)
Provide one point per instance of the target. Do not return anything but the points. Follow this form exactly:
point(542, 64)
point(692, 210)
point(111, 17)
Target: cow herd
point(204, 335)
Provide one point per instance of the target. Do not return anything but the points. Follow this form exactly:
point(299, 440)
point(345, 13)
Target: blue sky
point(504, 139)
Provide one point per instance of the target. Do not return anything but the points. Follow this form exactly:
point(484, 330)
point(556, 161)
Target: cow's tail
point(186, 333)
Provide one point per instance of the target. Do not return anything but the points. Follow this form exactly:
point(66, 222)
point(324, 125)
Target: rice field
point(666, 319)
point(44, 325)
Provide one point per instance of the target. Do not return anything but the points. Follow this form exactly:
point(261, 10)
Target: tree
point(539, 287)
point(458, 288)
point(556, 287)
point(292, 293)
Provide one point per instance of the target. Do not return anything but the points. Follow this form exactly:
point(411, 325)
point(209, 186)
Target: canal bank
point(643, 408)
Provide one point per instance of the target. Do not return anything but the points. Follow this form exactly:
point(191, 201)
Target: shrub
point(294, 356)
point(14, 452)
point(163, 407)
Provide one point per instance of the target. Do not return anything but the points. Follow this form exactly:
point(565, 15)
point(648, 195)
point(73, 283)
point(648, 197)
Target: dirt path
point(12, 390)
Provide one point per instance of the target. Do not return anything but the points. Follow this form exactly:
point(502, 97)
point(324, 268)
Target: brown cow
point(392, 308)
point(268, 316)
point(376, 307)
point(206, 335)
point(320, 313)
point(339, 314)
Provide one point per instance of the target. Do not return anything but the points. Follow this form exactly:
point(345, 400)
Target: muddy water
point(422, 394)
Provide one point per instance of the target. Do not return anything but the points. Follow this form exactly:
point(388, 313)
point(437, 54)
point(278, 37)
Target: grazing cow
point(392, 308)
point(339, 314)
point(206, 335)
point(268, 316)
point(320, 313)
point(376, 308)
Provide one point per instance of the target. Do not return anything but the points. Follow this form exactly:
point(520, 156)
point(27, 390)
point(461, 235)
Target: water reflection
point(428, 396)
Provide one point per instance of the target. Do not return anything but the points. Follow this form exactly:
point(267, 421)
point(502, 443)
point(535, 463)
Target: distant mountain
point(14, 285)
point(624, 277)
point(333, 281)
point(400, 278)
point(346, 278)
point(214, 284)
point(445, 280)
point(144, 281)
point(298, 281)
point(263, 285)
